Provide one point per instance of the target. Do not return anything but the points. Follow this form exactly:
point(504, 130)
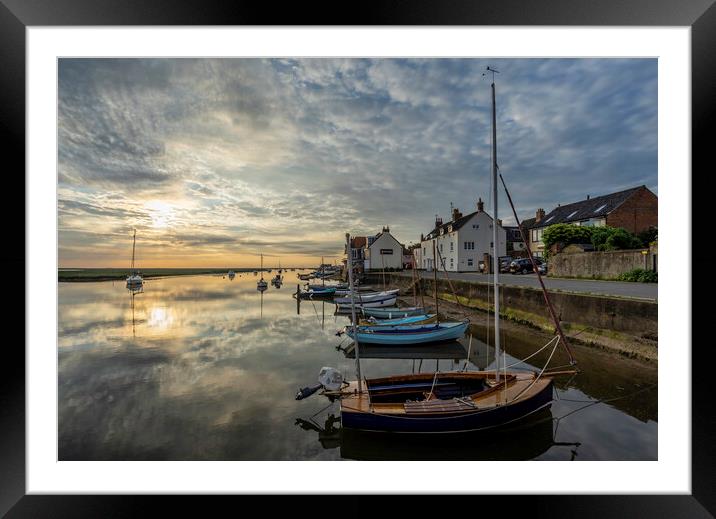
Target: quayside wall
point(622, 315)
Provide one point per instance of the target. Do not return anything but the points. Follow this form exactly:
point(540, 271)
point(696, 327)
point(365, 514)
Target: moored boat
point(388, 300)
point(134, 280)
point(393, 312)
point(362, 297)
point(410, 333)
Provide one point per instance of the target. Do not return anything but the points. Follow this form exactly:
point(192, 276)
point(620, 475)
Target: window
point(451, 246)
point(469, 262)
point(451, 263)
point(468, 245)
point(386, 251)
point(491, 244)
point(571, 214)
point(537, 235)
point(548, 219)
point(476, 226)
point(441, 247)
point(600, 208)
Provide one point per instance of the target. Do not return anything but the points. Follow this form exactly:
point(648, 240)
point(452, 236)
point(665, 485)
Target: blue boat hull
point(445, 423)
point(416, 334)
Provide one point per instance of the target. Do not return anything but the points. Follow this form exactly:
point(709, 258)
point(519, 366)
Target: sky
point(215, 161)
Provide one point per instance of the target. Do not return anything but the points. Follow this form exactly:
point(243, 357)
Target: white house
point(463, 241)
point(383, 251)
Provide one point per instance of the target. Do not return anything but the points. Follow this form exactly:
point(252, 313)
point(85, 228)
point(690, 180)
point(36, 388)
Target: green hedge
point(639, 276)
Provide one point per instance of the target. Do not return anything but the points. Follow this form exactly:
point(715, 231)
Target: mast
point(435, 282)
point(349, 263)
point(495, 266)
point(134, 245)
point(323, 273)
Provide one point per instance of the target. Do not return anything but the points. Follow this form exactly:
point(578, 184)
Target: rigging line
point(535, 353)
point(601, 402)
point(540, 373)
point(607, 400)
point(539, 276)
point(321, 410)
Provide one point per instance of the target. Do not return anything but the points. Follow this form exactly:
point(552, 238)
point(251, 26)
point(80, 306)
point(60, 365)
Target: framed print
point(184, 162)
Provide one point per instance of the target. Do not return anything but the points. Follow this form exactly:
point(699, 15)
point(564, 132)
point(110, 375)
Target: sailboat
point(452, 401)
point(232, 274)
point(276, 280)
point(261, 283)
point(134, 280)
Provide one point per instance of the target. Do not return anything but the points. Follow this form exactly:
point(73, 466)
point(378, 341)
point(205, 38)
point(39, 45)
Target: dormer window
point(450, 228)
point(442, 231)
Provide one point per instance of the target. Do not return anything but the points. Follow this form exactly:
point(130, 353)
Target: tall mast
point(349, 264)
point(435, 281)
point(495, 266)
point(323, 277)
point(134, 245)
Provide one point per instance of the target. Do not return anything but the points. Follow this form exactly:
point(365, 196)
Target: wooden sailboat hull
point(448, 416)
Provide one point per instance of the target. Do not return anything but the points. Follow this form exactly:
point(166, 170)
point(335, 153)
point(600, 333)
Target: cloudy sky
point(214, 161)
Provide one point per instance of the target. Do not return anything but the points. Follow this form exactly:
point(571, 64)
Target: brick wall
point(637, 213)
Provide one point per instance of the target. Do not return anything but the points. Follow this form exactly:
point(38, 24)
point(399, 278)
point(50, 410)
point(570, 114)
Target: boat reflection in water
point(526, 441)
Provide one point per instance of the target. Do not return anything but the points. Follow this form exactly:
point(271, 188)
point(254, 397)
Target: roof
point(381, 234)
point(528, 222)
point(590, 208)
point(358, 242)
point(456, 224)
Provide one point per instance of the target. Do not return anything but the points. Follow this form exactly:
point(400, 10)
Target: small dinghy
point(393, 312)
point(410, 333)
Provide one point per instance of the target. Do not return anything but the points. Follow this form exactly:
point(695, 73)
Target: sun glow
point(160, 212)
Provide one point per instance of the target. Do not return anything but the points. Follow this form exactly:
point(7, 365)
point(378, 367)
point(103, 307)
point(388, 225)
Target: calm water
point(204, 368)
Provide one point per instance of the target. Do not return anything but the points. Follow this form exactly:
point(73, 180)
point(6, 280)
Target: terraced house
point(462, 242)
point(634, 209)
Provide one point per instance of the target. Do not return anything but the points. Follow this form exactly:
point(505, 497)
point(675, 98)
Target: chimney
point(422, 238)
point(480, 205)
point(587, 197)
point(386, 229)
point(438, 221)
point(499, 222)
point(456, 214)
point(539, 215)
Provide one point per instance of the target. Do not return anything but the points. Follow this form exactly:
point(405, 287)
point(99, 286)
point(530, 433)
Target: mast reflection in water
point(197, 368)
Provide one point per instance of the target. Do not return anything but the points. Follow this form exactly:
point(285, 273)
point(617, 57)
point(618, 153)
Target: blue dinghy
point(410, 333)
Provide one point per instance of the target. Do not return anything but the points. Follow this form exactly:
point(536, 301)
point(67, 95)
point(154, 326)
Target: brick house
point(634, 209)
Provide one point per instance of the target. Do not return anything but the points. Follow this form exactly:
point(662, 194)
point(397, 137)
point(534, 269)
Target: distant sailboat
point(134, 280)
point(261, 283)
point(232, 274)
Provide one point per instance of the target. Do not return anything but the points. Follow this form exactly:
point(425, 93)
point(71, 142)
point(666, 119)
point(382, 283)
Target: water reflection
point(200, 368)
point(527, 441)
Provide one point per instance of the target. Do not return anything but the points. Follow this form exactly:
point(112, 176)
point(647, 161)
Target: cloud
point(289, 154)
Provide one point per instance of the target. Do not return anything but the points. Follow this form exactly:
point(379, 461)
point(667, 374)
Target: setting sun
point(161, 213)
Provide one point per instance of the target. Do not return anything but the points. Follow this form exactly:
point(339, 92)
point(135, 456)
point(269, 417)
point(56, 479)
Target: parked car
point(524, 265)
point(505, 263)
point(542, 267)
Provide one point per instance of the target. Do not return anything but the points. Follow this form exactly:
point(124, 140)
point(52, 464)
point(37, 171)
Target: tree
point(565, 234)
point(614, 238)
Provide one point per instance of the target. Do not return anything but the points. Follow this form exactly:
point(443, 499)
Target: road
point(580, 286)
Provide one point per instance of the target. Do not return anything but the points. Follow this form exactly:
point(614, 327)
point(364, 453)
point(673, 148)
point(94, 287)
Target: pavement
point(648, 291)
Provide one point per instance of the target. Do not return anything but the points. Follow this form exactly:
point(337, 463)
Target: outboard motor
point(328, 378)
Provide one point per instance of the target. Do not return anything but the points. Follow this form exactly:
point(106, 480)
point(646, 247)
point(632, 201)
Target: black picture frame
point(16, 15)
